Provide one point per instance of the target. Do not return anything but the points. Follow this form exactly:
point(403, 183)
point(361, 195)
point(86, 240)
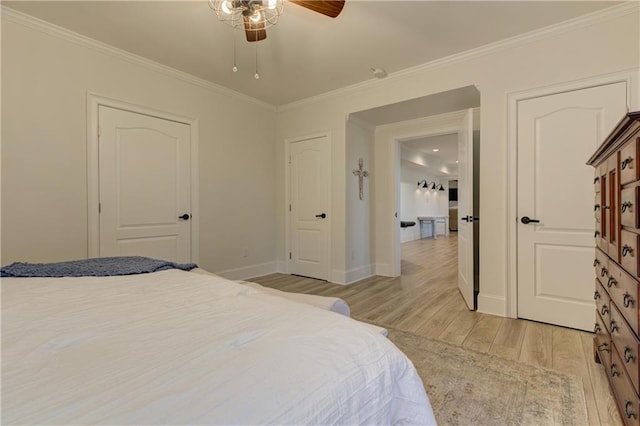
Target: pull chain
point(256, 75)
point(235, 67)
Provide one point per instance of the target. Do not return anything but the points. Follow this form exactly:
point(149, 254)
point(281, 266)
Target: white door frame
point(442, 124)
point(94, 101)
point(287, 179)
point(630, 77)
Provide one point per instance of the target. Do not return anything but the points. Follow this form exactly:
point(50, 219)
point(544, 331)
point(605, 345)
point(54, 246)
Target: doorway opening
point(406, 135)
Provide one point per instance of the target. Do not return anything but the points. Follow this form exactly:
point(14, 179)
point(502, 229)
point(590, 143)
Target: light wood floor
point(425, 300)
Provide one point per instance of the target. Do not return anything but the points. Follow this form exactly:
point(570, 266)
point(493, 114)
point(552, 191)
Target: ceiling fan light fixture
point(226, 6)
point(256, 17)
point(262, 13)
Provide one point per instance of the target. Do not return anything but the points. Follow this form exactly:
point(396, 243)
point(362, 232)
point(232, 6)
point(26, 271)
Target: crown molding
point(50, 29)
point(515, 41)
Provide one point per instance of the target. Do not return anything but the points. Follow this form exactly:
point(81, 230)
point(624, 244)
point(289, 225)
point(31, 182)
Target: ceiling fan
point(255, 16)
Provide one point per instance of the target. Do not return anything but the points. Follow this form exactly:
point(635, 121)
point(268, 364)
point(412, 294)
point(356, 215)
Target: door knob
point(321, 215)
point(185, 216)
point(526, 220)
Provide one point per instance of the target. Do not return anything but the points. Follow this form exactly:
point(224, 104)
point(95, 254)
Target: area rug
point(471, 388)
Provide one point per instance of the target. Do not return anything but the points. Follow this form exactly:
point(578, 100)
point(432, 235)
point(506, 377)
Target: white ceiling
point(447, 146)
point(306, 53)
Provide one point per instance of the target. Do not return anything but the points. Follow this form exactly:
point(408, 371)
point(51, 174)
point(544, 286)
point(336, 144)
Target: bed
point(178, 347)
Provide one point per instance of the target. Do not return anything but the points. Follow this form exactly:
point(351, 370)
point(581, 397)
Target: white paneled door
point(309, 189)
point(145, 186)
point(465, 209)
point(556, 134)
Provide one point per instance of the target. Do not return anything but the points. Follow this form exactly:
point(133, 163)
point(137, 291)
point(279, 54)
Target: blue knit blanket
point(96, 267)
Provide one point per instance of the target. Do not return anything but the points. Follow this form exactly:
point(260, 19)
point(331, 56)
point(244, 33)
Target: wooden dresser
point(617, 262)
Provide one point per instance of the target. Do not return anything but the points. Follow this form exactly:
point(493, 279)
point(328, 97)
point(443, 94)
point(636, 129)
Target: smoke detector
point(378, 72)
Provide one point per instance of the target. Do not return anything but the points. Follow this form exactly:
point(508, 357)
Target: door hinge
point(289, 255)
point(289, 207)
point(99, 207)
point(98, 132)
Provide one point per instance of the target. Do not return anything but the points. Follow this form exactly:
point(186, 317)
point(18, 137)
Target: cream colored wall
point(45, 80)
point(359, 265)
point(608, 45)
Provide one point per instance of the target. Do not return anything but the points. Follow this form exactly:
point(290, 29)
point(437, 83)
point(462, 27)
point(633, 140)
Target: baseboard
point(491, 304)
point(251, 271)
point(358, 274)
point(383, 269)
point(281, 267)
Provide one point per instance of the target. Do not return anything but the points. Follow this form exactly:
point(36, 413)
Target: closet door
point(145, 186)
point(556, 135)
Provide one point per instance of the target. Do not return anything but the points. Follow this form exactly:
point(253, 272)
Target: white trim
point(94, 101)
point(248, 272)
point(630, 77)
point(352, 275)
point(287, 181)
point(491, 304)
point(82, 40)
point(516, 41)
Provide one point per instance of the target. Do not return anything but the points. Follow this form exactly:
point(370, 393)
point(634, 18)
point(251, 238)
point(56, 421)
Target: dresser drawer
point(626, 343)
point(601, 265)
point(629, 170)
point(626, 397)
point(629, 252)
point(602, 341)
point(600, 260)
point(623, 292)
point(629, 207)
point(602, 303)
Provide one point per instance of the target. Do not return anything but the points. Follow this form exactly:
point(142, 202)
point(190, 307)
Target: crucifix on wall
point(361, 173)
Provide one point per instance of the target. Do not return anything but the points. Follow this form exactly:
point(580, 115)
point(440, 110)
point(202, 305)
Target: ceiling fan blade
point(254, 30)
point(331, 8)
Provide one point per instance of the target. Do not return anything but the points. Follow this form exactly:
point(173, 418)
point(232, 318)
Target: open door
point(465, 210)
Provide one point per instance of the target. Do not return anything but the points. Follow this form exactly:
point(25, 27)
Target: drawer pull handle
point(596, 262)
point(630, 413)
point(626, 205)
point(596, 295)
point(596, 328)
point(627, 300)
point(596, 180)
point(614, 371)
point(596, 207)
point(612, 281)
point(604, 310)
point(626, 250)
point(603, 271)
point(614, 327)
point(626, 162)
point(596, 234)
point(628, 355)
point(604, 347)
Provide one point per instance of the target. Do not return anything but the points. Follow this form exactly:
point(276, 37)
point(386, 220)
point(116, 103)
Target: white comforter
point(175, 347)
